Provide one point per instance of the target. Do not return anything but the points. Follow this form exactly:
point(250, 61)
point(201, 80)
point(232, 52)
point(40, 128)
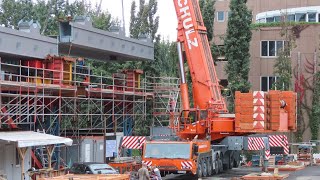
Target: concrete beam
point(79, 38)
point(26, 43)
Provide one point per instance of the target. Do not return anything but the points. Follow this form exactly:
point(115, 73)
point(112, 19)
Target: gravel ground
point(309, 173)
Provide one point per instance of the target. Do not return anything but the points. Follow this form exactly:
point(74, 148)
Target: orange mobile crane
point(209, 139)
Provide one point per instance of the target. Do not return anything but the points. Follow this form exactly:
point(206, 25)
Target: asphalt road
point(309, 173)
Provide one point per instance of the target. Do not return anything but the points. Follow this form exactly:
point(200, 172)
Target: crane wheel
point(216, 167)
point(236, 163)
point(199, 170)
point(231, 162)
point(204, 168)
point(209, 166)
point(220, 165)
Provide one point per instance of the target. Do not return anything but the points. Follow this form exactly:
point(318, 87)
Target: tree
point(315, 111)
point(145, 20)
point(283, 67)
point(208, 14)
point(13, 11)
point(237, 43)
point(283, 70)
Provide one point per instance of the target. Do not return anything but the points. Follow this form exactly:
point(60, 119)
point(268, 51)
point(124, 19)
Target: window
point(220, 53)
point(271, 48)
point(301, 17)
point(291, 18)
point(312, 17)
point(279, 46)
point(172, 150)
point(270, 19)
point(220, 16)
point(277, 19)
point(264, 48)
point(268, 82)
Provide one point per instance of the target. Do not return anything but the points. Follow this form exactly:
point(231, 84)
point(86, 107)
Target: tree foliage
point(49, 12)
point(145, 20)
point(283, 70)
point(315, 111)
point(237, 43)
point(208, 14)
point(282, 66)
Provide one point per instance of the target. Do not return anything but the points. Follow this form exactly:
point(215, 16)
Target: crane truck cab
point(179, 157)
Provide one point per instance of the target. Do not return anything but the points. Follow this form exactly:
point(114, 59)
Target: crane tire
point(209, 166)
point(199, 169)
point(204, 168)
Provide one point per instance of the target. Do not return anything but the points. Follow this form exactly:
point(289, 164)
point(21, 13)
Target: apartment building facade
point(267, 40)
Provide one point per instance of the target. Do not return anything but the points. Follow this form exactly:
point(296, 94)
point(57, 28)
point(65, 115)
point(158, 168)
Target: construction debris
point(286, 168)
point(291, 166)
point(264, 176)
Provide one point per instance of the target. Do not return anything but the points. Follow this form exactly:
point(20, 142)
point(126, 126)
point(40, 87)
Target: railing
point(44, 77)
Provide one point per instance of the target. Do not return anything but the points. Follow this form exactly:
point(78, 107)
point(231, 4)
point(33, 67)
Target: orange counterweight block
point(260, 111)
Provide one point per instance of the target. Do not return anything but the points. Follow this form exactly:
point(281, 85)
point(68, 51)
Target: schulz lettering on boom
point(186, 18)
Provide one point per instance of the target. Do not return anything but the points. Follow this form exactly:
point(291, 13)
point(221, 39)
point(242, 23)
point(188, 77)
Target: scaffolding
point(31, 102)
point(166, 101)
point(62, 97)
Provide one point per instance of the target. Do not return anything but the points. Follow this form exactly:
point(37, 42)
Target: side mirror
point(195, 149)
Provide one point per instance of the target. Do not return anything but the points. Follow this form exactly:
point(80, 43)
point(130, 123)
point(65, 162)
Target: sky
point(166, 12)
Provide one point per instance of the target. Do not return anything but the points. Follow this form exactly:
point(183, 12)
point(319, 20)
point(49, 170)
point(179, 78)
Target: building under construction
point(45, 87)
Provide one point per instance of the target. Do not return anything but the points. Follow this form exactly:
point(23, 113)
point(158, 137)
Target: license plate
point(182, 172)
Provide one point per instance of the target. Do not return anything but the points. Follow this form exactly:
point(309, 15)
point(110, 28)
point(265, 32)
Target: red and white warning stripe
point(133, 142)
point(255, 143)
point(186, 165)
point(279, 141)
point(267, 154)
point(258, 109)
point(148, 163)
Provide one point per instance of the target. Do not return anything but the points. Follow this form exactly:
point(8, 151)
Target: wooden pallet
point(89, 177)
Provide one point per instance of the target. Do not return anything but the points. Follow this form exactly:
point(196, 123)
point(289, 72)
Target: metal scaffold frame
point(70, 101)
point(74, 108)
point(25, 101)
point(166, 101)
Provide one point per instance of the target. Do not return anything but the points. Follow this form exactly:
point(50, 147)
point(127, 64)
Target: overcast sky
point(168, 19)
